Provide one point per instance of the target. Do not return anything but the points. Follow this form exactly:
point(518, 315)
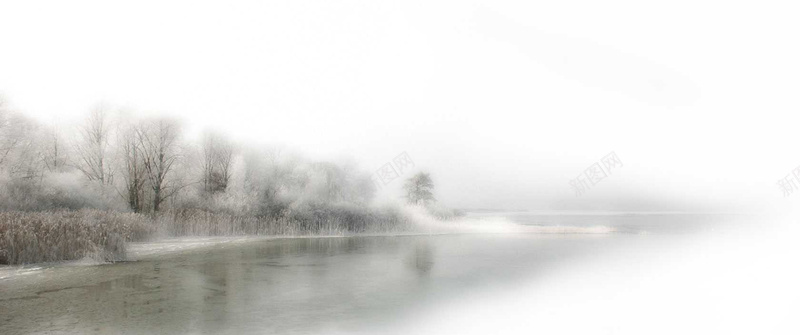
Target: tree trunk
point(156, 198)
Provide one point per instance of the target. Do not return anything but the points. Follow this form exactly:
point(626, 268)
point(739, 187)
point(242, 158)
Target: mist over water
point(399, 167)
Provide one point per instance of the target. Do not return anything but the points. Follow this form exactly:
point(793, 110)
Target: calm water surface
point(308, 285)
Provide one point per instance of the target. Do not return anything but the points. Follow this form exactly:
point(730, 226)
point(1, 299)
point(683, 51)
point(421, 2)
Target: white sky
point(503, 102)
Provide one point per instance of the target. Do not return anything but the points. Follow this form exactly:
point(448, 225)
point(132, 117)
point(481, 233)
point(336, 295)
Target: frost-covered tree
point(19, 144)
point(92, 147)
point(54, 154)
point(132, 167)
point(15, 131)
point(419, 189)
point(217, 162)
point(158, 141)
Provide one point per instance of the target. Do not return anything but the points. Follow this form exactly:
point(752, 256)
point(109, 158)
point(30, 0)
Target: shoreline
point(140, 251)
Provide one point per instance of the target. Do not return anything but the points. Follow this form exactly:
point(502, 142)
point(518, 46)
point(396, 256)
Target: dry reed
point(34, 237)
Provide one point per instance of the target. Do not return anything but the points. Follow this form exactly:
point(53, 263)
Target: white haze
point(736, 281)
point(503, 102)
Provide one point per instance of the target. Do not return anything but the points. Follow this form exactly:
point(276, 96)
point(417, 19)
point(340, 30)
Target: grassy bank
point(33, 237)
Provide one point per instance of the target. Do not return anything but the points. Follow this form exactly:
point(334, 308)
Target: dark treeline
point(145, 167)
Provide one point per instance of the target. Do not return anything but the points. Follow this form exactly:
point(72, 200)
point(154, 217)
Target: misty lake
point(367, 284)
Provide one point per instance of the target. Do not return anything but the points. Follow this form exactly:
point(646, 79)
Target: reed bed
point(34, 237)
point(328, 220)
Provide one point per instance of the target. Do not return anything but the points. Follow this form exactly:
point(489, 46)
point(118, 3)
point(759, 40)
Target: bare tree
point(18, 144)
point(133, 170)
point(26, 161)
point(158, 141)
point(343, 182)
point(280, 174)
point(10, 136)
point(6, 145)
point(93, 147)
point(217, 155)
point(53, 152)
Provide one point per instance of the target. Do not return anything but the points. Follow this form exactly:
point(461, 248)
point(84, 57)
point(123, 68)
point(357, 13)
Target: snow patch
point(491, 224)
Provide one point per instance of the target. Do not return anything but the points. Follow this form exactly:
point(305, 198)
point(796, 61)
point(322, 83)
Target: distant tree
point(133, 171)
point(217, 160)
point(6, 145)
point(332, 182)
point(92, 147)
point(158, 141)
point(419, 189)
point(11, 134)
point(53, 152)
point(337, 183)
point(273, 173)
point(19, 140)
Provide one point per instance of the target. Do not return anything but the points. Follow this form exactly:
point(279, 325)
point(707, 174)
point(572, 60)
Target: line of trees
point(146, 165)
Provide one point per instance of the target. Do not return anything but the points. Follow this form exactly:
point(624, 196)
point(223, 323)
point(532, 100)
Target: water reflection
point(280, 286)
point(422, 258)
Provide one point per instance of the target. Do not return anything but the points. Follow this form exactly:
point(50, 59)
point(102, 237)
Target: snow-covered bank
point(426, 225)
point(7, 271)
point(490, 224)
point(140, 250)
point(144, 250)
